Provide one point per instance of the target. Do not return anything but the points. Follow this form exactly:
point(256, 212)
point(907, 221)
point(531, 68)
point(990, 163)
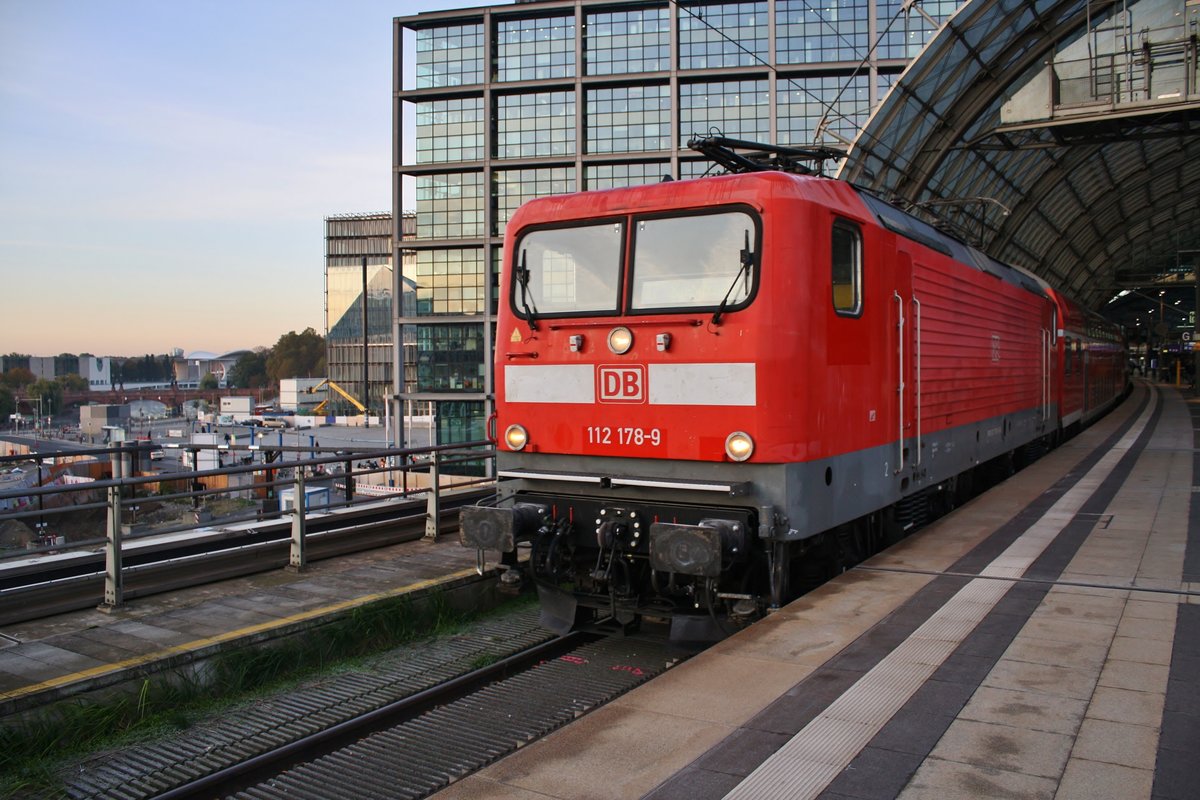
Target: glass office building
point(358, 248)
point(497, 105)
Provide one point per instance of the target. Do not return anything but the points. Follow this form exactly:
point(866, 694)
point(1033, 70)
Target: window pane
point(738, 109)
point(450, 358)
point(450, 206)
point(847, 269)
point(535, 125)
point(628, 119)
point(902, 35)
point(610, 176)
point(449, 282)
point(535, 49)
point(732, 35)
point(809, 31)
point(570, 270)
point(512, 187)
point(803, 102)
point(450, 130)
point(618, 42)
point(694, 261)
point(451, 56)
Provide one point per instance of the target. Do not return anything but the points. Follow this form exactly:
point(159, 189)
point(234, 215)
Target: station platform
point(80, 653)
point(1042, 641)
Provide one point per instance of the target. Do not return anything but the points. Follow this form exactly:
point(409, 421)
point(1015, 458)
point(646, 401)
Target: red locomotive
point(710, 391)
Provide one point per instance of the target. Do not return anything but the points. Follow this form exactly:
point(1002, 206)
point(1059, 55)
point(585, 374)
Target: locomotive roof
point(620, 200)
point(745, 157)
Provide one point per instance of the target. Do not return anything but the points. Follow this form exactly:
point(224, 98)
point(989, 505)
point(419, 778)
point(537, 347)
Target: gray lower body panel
point(794, 500)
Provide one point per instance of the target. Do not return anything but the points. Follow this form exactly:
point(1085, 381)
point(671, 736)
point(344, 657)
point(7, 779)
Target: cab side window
point(846, 268)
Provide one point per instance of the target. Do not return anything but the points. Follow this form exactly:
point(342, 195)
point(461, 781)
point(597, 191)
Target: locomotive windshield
point(684, 262)
point(569, 270)
point(696, 261)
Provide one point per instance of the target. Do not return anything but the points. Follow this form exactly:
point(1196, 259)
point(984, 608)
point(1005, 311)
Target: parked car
point(274, 422)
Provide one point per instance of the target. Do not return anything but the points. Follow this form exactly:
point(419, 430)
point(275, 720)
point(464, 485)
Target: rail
point(345, 734)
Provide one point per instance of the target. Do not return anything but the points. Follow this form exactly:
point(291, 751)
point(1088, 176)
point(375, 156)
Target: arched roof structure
point(1087, 201)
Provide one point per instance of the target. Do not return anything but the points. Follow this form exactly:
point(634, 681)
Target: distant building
point(94, 419)
point(241, 406)
point(349, 239)
point(294, 396)
point(14, 362)
point(97, 371)
point(189, 370)
point(50, 367)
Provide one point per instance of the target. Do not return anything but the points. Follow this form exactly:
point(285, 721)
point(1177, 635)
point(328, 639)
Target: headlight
point(620, 340)
point(739, 446)
point(515, 437)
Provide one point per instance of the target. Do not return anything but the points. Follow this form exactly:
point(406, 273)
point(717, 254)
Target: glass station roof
point(1059, 135)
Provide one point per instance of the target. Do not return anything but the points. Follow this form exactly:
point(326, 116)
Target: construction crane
point(320, 407)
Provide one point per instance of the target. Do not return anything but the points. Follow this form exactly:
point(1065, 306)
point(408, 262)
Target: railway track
point(38, 587)
point(401, 729)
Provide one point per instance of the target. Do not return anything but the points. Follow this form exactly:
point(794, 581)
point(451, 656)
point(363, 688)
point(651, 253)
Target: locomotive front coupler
point(501, 528)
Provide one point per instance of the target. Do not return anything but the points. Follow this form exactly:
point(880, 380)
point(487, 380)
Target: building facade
point(97, 371)
point(498, 105)
point(358, 251)
point(189, 370)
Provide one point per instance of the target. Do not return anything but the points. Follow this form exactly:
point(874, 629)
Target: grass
point(33, 753)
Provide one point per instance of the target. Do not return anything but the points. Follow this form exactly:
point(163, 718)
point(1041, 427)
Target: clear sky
point(166, 167)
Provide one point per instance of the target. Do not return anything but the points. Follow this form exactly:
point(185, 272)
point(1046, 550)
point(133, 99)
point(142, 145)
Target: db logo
point(621, 384)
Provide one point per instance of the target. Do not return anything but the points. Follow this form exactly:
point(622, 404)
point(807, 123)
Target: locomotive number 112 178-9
point(638, 437)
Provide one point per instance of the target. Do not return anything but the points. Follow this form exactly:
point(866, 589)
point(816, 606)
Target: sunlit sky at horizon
point(165, 168)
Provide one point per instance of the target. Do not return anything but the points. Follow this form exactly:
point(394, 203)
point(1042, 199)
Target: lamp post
point(37, 421)
point(41, 523)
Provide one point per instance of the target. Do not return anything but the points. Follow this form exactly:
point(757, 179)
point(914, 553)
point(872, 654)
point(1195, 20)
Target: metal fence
point(47, 505)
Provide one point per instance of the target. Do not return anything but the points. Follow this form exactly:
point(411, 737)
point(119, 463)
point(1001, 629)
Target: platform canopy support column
point(298, 560)
point(113, 584)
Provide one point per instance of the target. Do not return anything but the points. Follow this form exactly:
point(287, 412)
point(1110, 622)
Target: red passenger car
point(1094, 363)
point(709, 391)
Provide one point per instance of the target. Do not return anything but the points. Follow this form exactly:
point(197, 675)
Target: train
point(712, 394)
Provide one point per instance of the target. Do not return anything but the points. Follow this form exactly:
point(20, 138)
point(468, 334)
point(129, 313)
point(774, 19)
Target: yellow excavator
point(320, 407)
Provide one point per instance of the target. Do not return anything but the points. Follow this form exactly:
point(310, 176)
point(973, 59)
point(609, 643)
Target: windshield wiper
point(747, 261)
point(523, 281)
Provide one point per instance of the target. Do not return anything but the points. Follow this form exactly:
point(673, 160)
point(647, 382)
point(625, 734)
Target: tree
point(209, 381)
point(250, 371)
point(8, 404)
point(297, 355)
point(17, 378)
point(73, 383)
point(143, 369)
